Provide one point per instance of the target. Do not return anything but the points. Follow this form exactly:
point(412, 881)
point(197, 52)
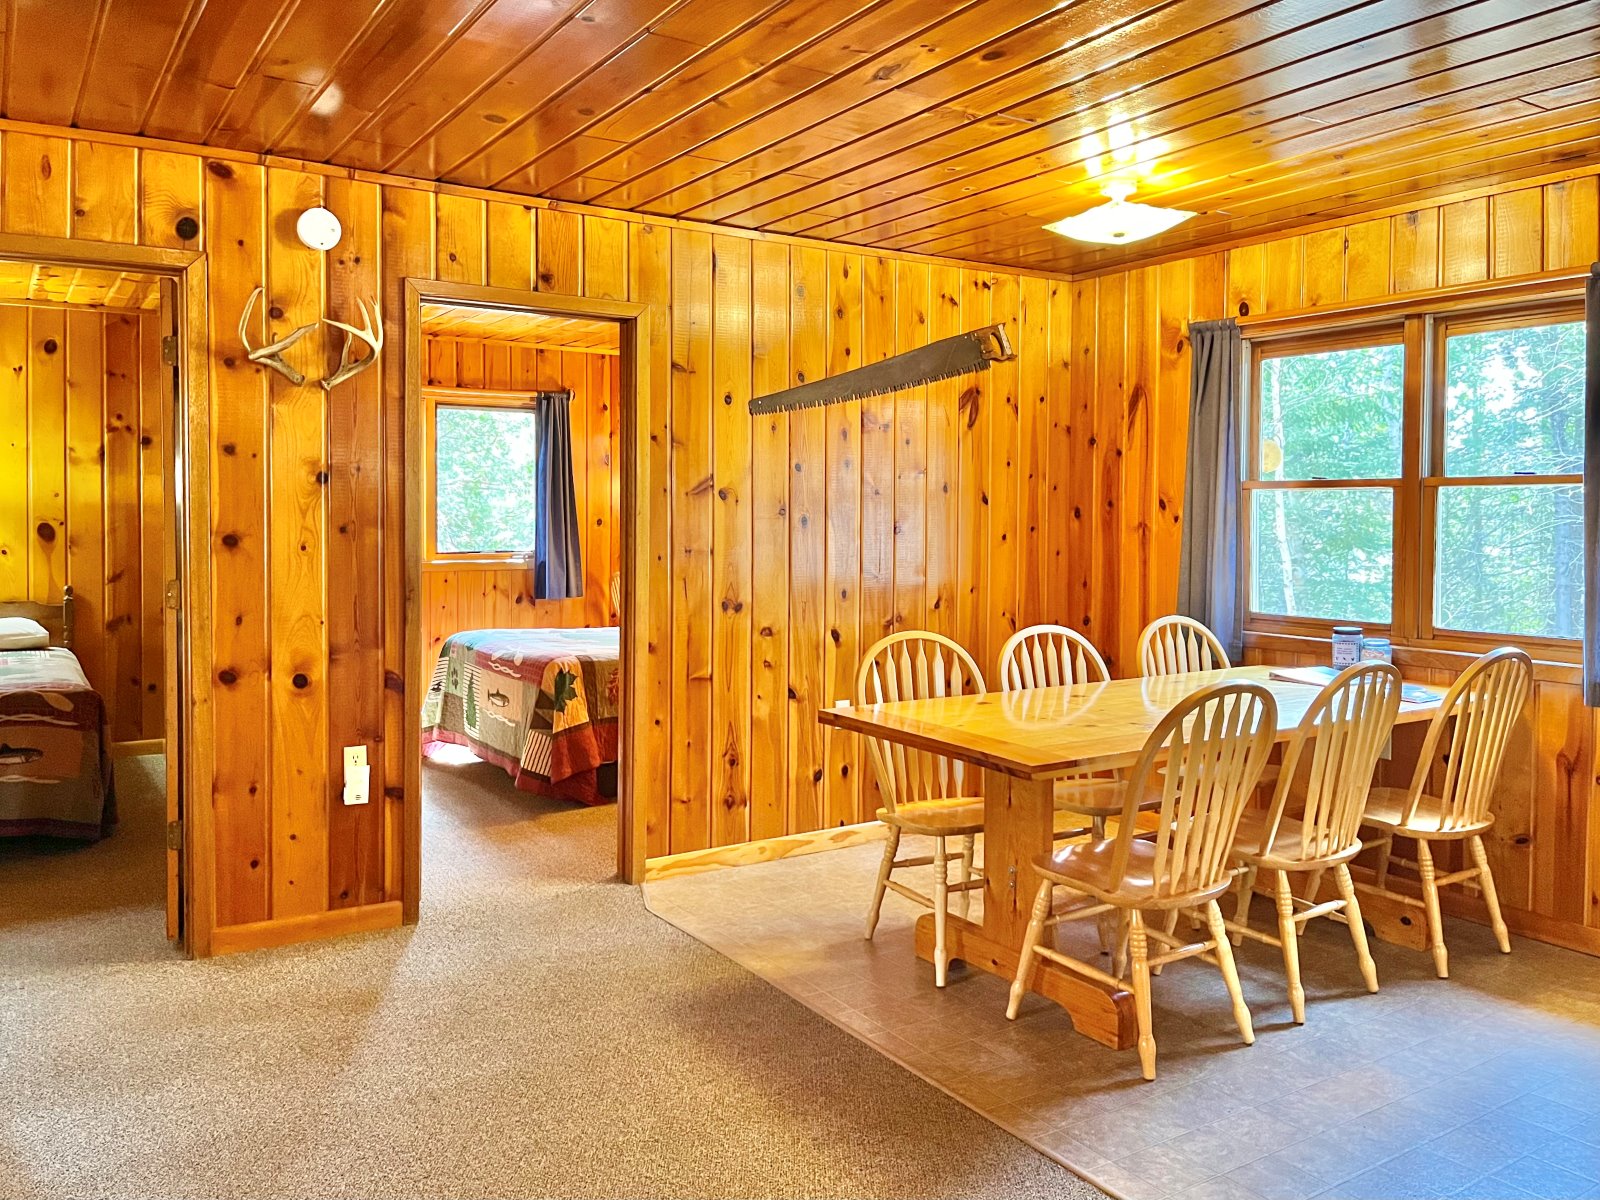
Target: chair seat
point(1086, 867)
point(1288, 850)
point(1385, 806)
point(1089, 796)
point(937, 818)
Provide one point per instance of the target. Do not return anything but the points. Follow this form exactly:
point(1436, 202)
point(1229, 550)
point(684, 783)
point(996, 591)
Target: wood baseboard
point(261, 935)
point(143, 746)
point(743, 854)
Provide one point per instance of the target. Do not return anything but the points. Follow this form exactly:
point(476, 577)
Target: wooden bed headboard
point(56, 618)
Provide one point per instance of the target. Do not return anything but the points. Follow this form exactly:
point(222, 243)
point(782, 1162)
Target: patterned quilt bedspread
point(55, 764)
point(540, 703)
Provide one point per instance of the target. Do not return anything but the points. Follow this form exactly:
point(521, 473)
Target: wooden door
point(171, 614)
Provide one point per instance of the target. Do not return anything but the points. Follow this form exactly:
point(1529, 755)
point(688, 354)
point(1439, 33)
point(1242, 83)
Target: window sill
point(473, 562)
point(1423, 656)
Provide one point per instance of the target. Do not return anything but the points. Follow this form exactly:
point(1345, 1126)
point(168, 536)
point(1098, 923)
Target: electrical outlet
point(357, 777)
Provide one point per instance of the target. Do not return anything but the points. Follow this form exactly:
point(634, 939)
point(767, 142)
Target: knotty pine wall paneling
point(489, 595)
point(83, 413)
point(1125, 445)
point(795, 541)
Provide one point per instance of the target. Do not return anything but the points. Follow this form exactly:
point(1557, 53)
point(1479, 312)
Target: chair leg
point(1358, 931)
point(1230, 972)
point(1241, 914)
point(891, 847)
point(1491, 897)
point(1122, 925)
point(969, 843)
point(1430, 902)
point(1168, 924)
point(1380, 870)
point(1289, 935)
point(941, 911)
point(1139, 953)
point(1019, 985)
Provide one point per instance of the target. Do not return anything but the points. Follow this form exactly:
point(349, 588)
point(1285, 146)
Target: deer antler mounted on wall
point(272, 355)
point(371, 332)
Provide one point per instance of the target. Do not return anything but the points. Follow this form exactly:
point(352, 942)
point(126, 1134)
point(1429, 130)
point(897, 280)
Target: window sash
point(1414, 547)
point(460, 398)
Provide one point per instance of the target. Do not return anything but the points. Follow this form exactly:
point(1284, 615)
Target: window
point(482, 457)
point(1421, 476)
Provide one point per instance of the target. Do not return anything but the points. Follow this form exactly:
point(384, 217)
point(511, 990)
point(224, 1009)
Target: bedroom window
point(482, 457)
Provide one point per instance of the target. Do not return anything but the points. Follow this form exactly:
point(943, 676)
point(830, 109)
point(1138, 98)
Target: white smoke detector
point(319, 229)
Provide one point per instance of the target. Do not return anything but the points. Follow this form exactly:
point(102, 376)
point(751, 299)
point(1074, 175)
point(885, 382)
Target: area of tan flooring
point(1486, 1085)
point(538, 1034)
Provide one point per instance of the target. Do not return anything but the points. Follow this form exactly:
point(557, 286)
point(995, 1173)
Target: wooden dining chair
point(1178, 646)
point(1471, 729)
point(1218, 740)
point(924, 794)
point(1345, 729)
point(1056, 656)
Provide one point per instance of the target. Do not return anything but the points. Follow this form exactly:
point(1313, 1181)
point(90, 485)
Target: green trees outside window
point(1492, 499)
point(483, 479)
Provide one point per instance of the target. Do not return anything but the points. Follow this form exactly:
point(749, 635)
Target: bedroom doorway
point(521, 425)
point(95, 359)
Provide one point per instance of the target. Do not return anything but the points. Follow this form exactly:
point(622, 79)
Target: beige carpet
point(538, 1034)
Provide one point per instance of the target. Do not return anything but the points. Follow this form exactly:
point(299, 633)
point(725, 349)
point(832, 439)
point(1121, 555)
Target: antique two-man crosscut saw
point(944, 359)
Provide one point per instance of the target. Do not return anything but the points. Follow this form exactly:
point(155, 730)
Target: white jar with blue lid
point(1347, 641)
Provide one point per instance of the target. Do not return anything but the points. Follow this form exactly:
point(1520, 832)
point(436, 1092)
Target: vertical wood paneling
point(235, 204)
point(296, 517)
point(843, 505)
point(692, 498)
point(124, 584)
point(808, 484)
point(47, 466)
point(650, 282)
point(84, 433)
point(769, 520)
point(1543, 843)
point(730, 535)
point(806, 316)
point(355, 551)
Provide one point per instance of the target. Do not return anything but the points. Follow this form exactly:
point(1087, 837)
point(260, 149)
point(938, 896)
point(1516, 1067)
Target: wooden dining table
point(1025, 741)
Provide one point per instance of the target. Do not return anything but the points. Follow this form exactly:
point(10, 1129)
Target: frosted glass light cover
point(1119, 221)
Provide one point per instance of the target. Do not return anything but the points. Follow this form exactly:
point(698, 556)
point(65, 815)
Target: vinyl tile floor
point(1486, 1085)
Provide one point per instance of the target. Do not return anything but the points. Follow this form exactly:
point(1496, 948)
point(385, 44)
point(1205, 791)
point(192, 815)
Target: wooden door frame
point(633, 397)
point(189, 542)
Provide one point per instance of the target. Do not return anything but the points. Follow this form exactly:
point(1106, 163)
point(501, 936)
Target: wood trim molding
point(744, 854)
point(287, 931)
point(135, 748)
point(1550, 285)
point(638, 537)
point(1419, 657)
point(190, 539)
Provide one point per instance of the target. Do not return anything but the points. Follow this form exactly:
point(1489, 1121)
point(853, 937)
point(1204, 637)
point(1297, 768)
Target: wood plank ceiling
point(83, 286)
point(950, 127)
point(524, 328)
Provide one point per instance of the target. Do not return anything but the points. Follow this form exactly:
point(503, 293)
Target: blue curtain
point(1208, 568)
point(557, 540)
point(1591, 491)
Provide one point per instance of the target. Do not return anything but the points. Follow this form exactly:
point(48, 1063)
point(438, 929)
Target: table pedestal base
point(1097, 1011)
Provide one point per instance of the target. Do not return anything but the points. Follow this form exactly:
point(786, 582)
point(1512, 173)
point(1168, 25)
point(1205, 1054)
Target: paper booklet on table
point(1410, 693)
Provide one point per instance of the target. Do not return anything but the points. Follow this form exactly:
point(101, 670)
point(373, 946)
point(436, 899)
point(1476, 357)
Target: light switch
point(357, 775)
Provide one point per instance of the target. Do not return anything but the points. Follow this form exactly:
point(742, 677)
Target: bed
point(539, 703)
point(55, 759)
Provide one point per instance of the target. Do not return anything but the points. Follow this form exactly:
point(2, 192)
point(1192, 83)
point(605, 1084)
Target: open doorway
point(91, 745)
point(520, 409)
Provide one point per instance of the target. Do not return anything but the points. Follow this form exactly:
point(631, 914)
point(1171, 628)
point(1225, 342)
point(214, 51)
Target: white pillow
point(20, 633)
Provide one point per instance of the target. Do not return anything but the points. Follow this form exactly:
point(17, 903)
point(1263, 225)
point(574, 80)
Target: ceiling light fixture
point(1120, 220)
